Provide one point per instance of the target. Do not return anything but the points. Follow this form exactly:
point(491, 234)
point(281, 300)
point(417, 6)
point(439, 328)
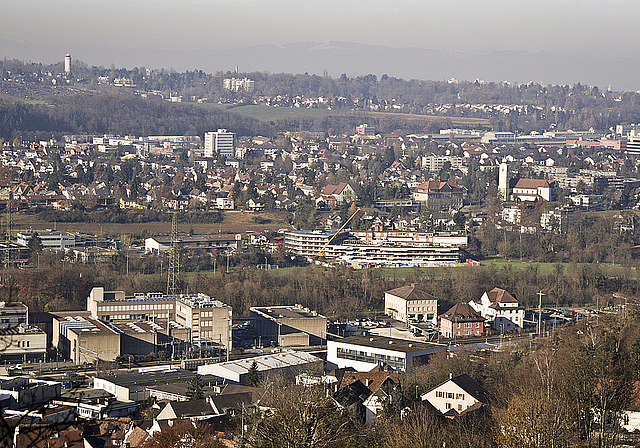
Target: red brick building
point(461, 321)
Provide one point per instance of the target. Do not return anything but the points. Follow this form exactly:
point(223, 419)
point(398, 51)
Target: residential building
point(365, 129)
point(588, 201)
point(461, 320)
point(556, 220)
point(338, 194)
point(502, 310)
point(220, 142)
point(238, 84)
point(410, 303)
point(309, 243)
point(288, 325)
point(276, 363)
point(435, 163)
point(439, 195)
point(363, 353)
point(457, 396)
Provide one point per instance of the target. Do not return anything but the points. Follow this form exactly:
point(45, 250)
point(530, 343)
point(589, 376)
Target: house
point(461, 321)
point(457, 396)
point(410, 303)
point(338, 194)
point(502, 310)
point(194, 410)
point(439, 195)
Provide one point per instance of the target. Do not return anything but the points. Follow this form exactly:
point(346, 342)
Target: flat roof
point(387, 343)
point(269, 362)
point(287, 312)
point(147, 378)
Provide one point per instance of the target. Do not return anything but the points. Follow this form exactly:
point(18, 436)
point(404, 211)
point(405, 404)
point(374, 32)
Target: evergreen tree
point(253, 376)
point(194, 389)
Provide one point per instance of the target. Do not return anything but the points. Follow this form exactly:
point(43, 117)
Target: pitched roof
point(472, 387)
point(438, 185)
point(462, 312)
point(533, 183)
point(334, 189)
point(410, 292)
point(192, 408)
point(372, 380)
point(499, 295)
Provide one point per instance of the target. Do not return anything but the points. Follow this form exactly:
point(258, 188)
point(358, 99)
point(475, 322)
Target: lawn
point(234, 222)
point(269, 113)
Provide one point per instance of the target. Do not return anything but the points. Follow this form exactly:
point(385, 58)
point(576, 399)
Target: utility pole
point(540, 294)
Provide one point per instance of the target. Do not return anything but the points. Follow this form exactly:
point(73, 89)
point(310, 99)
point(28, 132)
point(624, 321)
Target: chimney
point(414, 285)
point(450, 375)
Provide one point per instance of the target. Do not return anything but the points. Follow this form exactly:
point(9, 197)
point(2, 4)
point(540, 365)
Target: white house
point(457, 396)
point(410, 303)
point(501, 309)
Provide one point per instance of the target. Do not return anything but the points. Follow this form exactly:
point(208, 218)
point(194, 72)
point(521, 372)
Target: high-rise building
point(220, 142)
point(67, 63)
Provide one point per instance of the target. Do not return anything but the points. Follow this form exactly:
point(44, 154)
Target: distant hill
point(359, 59)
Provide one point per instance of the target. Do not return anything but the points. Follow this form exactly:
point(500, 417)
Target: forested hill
point(120, 115)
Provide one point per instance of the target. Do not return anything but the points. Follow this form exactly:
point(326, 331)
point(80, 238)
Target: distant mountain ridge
point(359, 59)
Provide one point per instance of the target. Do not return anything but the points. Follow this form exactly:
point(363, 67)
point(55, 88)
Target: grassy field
point(234, 222)
point(268, 113)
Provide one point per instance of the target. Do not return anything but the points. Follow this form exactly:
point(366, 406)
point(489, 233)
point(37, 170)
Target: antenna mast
point(174, 259)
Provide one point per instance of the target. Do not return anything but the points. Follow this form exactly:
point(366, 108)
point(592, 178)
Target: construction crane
point(321, 253)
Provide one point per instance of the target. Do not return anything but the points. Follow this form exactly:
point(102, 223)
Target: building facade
point(364, 353)
point(461, 321)
point(502, 310)
point(408, 303)
point(220, 142)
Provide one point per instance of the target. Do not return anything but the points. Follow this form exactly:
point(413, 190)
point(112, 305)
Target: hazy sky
point(585, 26)
point(580, 28)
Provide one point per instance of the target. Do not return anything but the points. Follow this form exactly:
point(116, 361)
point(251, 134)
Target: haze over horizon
point(543, 41)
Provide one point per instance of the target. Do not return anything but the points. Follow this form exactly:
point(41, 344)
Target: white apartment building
point(238, 84)
point(220, 142)
point(503, 311)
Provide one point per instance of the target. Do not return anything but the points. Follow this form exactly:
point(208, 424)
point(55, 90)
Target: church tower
point(503, 182)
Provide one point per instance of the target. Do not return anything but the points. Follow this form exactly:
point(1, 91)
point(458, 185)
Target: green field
point(269, 113)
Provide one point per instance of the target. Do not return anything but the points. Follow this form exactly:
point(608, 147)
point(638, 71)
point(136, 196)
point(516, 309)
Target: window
point(459, 407)
point(448, 405)
point(459, 396)
point(449, 394)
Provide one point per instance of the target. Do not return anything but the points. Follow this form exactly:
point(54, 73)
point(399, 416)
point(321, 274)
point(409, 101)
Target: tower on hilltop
point(67, 64)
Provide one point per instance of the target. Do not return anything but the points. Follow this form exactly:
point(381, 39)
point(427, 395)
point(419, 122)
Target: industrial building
point(277, 363)
point(226, 242)
point(208, 320)
point(363, 353)
point(288, 325)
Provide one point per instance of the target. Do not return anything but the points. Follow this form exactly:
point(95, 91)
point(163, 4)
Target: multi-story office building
point(363, 353)
point(309, 243)
point(208, 319)
point(410, 303)
point(220, 142)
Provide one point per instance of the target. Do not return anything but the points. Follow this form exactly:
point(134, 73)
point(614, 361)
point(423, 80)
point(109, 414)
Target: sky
point(96, 30)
